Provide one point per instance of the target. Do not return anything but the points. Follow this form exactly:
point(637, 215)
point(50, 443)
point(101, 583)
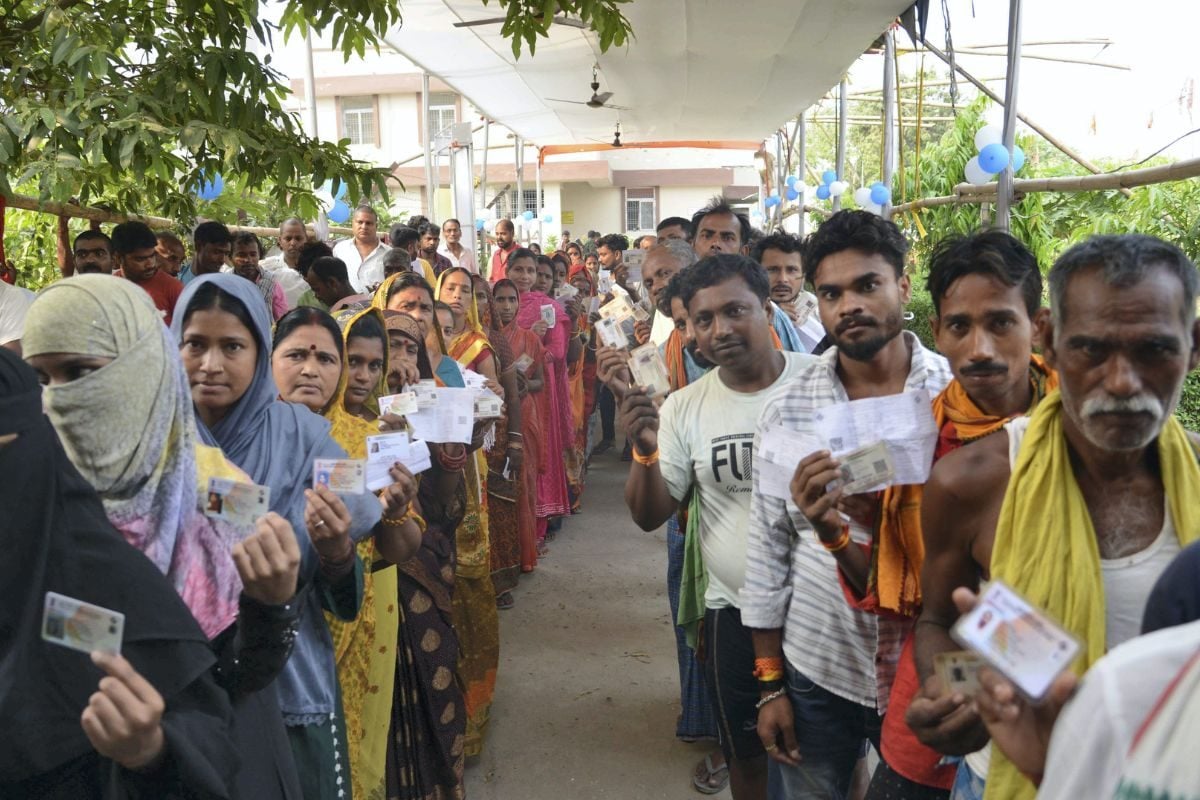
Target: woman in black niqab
point(55, 536)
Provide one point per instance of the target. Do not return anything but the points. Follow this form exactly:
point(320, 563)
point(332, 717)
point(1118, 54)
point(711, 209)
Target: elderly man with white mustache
point(1080, 506)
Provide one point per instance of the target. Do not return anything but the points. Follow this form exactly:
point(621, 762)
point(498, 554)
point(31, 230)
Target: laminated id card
point(1017, 639)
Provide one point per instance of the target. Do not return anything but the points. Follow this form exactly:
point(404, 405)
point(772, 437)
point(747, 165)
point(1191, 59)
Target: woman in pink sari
point(553, 401)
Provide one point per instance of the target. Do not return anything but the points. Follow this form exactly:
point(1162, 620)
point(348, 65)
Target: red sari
point(554, 409)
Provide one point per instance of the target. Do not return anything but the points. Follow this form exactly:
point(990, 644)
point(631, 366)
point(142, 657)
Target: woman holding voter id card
point(309, 368)
point(224, 334)
point(149, 722)
point(117, 393)
point(533, 314)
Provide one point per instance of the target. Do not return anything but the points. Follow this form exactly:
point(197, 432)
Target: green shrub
point(921, 306)
point(1189, 404)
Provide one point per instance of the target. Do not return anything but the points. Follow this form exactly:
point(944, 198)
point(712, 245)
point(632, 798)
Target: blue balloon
point(792, 194)
point(548, 218)
point(341, 192)
point(339, 213)
point(828, 177)
point(528, 215)
point(210, 189)
point(878, 183)
point(993, 158)
point(479, 223)
point(791, 181)
point(1018, 157)
point(823, 191)
point(880, 194)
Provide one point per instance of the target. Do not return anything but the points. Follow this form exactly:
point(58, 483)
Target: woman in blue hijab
point(224, 333)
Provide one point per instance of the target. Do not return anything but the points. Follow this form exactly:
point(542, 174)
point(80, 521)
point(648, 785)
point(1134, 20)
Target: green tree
point(137, 102)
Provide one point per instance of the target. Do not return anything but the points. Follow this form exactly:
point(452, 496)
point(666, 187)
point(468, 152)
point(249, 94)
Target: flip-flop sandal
point(505, 601)
point(705, 773)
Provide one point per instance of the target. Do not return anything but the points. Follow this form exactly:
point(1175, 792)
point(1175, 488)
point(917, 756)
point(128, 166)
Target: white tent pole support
point(427, 139)
point(801, 166)
point(889, 111)
point(1004, 192)
point(519, 159)
point(310, 85)
point(843, 133)
point(537, 203)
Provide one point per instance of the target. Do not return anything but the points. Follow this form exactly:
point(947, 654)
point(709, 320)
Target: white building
point(376, 104)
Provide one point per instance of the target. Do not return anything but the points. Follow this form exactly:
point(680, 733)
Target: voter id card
point(341, 475)
point(1017, 639)
point(81, 626)
point(240, 504)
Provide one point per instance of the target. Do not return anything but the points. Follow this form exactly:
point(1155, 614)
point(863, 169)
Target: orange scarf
point(894, 582)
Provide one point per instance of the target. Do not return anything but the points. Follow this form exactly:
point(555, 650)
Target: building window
point(358, 119)
point(639, 210)
point(509, 207)
point(443, 112)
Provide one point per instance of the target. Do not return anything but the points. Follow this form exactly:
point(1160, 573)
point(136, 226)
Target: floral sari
point(365, 649)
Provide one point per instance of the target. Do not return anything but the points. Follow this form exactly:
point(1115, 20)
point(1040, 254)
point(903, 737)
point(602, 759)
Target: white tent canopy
point(697, 69)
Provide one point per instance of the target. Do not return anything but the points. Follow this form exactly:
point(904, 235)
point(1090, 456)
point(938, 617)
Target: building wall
point(683, 201)
point(598, 209)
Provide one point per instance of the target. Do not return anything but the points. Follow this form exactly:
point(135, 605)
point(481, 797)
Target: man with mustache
point(826, 667)
point(987, 294)
point(779, 255)
point(1082, 505)
point(700, 441)
point(93, 253)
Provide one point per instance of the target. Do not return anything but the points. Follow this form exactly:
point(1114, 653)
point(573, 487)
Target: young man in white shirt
point(839, 661)
point(701, 441)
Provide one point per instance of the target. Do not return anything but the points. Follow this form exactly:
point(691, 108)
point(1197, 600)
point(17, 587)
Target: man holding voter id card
point(854, 422)
point(1079, 507)
point(699, 443)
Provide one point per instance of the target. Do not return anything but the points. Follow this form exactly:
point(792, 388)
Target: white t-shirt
point(293, 283)
point(1095, 730)
point(466, 260)
point(14, 303)
point(363, 272)
point(705, 437)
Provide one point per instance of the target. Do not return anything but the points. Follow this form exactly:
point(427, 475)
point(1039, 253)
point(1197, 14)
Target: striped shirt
point(792, 581)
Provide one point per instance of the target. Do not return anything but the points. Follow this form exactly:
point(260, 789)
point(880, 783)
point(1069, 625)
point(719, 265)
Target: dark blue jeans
point(830, 732)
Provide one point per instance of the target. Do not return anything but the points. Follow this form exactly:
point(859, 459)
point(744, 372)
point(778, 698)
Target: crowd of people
point(346, 644)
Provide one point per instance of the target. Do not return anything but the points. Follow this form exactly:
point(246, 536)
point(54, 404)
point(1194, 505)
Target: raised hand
point(269, 561)
point(123, 719)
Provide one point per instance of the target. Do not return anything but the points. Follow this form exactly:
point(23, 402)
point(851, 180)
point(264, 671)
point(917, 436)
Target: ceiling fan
point(597, 100)
point(570, 23)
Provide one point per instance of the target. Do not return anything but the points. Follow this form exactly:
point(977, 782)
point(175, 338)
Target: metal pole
point(889, 112)
point(801, 166)
point(1004, 191)
point(842, 134)
point(427, 138)
point(482, 249)
point(310, 86)
point(519, 156)
point(537, 204)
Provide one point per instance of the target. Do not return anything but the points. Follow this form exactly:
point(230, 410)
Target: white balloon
point(801, 187)
point(862, 196)
point(324, 199)
point(988, 134)
point(874, 208)
point(490, 225)
point(975, 174)
point(838, 188)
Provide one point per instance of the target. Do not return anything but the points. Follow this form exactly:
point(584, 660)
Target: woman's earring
point(908, 316)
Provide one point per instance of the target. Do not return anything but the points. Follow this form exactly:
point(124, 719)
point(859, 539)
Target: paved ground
point(588, 690)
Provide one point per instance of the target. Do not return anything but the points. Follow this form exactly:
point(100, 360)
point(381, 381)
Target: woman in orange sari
point(581, 377)
point(475, 619)
point(527, 363)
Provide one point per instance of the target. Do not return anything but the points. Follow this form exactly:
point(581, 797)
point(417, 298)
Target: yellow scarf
point(1046, 549)
point(365, 649)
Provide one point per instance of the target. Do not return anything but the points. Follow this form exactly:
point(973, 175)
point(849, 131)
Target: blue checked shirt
point(792, 581)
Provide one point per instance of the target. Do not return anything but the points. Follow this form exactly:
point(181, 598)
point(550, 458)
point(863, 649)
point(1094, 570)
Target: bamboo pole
point(104, 215)
point(970, 193)
point(1045, 134)
point(1034, 57)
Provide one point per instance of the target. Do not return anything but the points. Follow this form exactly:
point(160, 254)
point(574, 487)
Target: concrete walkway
point(588, 688)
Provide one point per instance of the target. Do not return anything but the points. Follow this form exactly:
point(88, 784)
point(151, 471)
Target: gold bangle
point(645, 461)
point(395, 522)
point(841, 543)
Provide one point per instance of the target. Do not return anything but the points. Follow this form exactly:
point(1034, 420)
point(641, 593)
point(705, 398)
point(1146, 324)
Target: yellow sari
point(365, 649)
point(475, 619)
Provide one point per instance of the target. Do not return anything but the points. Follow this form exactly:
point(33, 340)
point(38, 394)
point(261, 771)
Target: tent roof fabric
point(697, 69)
